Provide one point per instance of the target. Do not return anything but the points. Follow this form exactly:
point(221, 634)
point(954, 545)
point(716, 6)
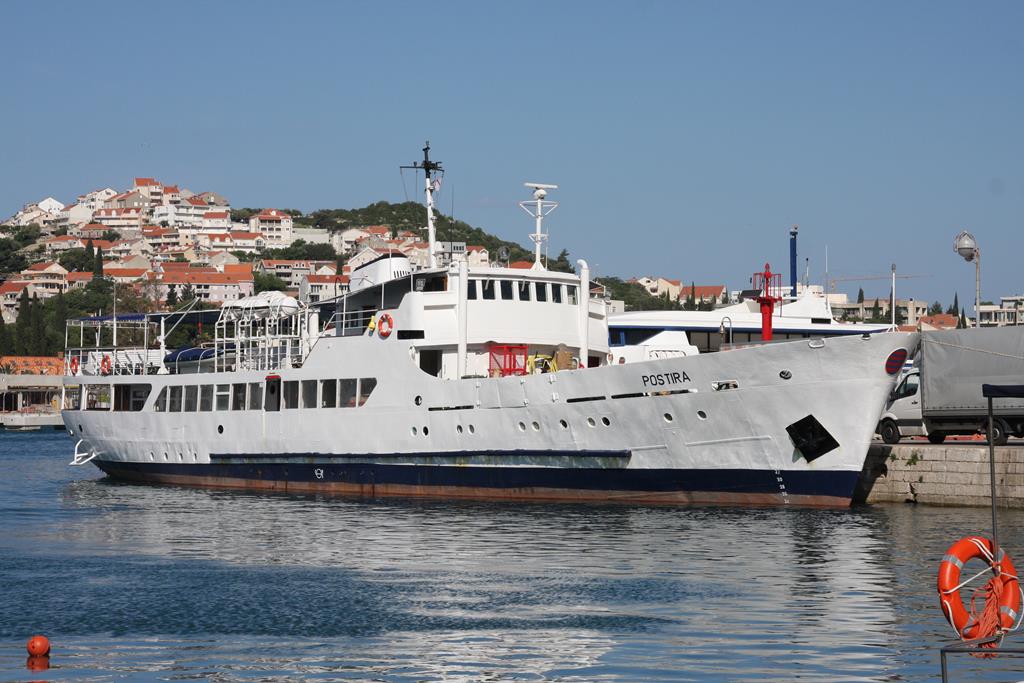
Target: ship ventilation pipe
point(463, 318)
point(792, 260)
point(584, 311)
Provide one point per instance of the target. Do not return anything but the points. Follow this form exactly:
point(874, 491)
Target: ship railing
point(112, 360)
point(349, 323)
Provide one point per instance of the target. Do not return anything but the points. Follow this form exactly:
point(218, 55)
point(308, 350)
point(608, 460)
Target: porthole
point(536, 426)
point(606, 422)
point(220, 429)
point(591, 422)
point(418, 400)
point(563, 424)
point(668, 417)
point(522, 426)
point(785, 374)
point(152, 456)
point(425, 431)
point(458, 428)
point(702, 415)
point(472, 429)
point(413, 430)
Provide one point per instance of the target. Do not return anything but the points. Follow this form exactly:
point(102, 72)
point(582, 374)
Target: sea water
point(151, 583)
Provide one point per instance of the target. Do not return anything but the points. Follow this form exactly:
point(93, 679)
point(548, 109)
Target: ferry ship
point(470, 382)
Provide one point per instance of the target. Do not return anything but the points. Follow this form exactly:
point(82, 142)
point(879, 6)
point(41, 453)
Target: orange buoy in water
point(38, 646)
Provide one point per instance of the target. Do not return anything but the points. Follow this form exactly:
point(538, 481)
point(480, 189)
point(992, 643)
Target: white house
point(275, 226)
point(119, 218)
point(313, 288)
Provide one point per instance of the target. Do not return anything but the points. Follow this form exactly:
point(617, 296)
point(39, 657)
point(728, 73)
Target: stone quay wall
point(941, 475)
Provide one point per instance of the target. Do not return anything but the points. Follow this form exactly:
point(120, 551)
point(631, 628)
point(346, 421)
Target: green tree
point(876, 312)
point(188, 293)
point(963, 320)
point(59, 321)
point(172, 297)
point(111, 235)
point(10, 260)
point(40, 342)
point(90, 253)
point(97, 268)
point(266, 282)
point(23, 325)
point(561, 264)
point(77, 259)
point(955, 306)
point(935, 308)
point(860, 295)
point(6, 342)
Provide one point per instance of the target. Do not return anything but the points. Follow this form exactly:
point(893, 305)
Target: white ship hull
point(700, 429)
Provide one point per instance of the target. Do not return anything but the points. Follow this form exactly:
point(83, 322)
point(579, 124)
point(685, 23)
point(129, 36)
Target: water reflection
point(246, 586)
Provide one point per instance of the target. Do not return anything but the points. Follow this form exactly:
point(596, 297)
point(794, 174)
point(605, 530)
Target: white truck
point(941, 395)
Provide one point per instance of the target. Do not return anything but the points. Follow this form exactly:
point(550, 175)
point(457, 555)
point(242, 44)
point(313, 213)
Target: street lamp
point(965, 245)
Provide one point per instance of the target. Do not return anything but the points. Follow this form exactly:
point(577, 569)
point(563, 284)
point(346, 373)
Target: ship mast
point(429, 168)
point(539, 208)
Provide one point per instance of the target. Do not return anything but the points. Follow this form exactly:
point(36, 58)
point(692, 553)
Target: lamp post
point(965, 245)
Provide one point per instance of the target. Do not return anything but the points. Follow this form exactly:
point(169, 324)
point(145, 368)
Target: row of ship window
point(274, 395)
point(521, 290)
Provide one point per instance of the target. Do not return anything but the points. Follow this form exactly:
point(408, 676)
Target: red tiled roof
point(213, 278)
point(521, 264)
point(377, 230)
point(326, 279)
point(210, 215)
point(13, 286)
point(242, 235)
point(702, 291)
point(940, 320)
point(171, 189)
point(238, 269)
point(39, 267)
point(79, 276)
point(475, 247)
point(271, 215)
point(33, 365)
point(196, 201)
point(146, 182)
point(125, 272)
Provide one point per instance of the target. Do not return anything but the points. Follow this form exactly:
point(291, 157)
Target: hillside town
point(156, 245)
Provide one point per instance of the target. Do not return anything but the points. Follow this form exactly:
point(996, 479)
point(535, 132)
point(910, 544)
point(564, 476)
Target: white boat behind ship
point(483, 382)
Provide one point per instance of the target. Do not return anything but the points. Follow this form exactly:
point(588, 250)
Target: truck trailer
point(941, 395)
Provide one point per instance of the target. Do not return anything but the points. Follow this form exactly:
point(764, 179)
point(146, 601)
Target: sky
point(686, 137)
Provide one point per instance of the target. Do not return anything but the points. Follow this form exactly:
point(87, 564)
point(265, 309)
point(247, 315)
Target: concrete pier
point(955, 474)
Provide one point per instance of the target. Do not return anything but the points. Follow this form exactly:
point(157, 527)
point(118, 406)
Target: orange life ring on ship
point(1005, 584)
point(384, 325)
point(105, 365)
point(74, 365)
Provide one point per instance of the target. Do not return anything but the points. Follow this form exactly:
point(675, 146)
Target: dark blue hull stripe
point(838, 484)
point(420, 455)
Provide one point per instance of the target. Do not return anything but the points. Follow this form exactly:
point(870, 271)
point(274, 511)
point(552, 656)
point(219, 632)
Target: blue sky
point(686, 137)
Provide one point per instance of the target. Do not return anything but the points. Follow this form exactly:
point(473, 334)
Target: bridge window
point(488, 289)
point(524, 291)
point(570, 294)
point(347, 390)
point(223, 396)
point(309, 393)
point(556, 293)
point(542, 291)
point(255, 396)
point(191, 398)
point(206, 398)
point(328, 393)
point(471, 289)
point(291, 394)
point(160, 404)
point(174, 400)
point(366, 387)
point(506, 289)
point(237, 397)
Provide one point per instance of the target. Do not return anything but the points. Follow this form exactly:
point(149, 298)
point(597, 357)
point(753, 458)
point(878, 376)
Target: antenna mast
point(539, 207)
point(430, 187)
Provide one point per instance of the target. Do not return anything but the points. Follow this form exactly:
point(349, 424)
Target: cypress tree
point(172, 296)
point(39, 340)
point(60, 321)
point(955, 308)
point(6, 343)
point(97, 266)
point(860, 295)
point(90, 253)
point(23, 325)
point(876, 312)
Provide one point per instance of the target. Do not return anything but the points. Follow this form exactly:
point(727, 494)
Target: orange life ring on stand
point(105, 365)
point(384, 325)
point(74, 365)
point(1004, 588)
